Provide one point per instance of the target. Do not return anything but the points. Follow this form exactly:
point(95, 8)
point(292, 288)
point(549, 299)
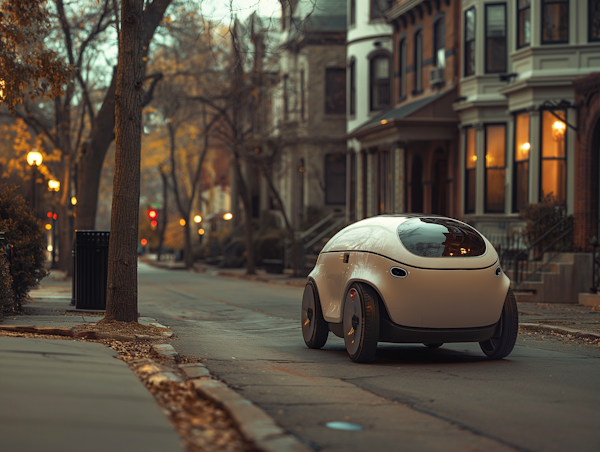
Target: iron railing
point(526, 260)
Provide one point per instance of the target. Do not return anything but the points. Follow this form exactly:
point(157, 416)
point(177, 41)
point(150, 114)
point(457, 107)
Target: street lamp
point(53, 186)
point(34, 158)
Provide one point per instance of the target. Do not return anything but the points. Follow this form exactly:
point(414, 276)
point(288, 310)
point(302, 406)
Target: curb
point(580, 334)
point(254, 424)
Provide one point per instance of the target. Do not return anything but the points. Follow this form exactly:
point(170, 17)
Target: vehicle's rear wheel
point(361, 322)
point(433, 345)
point(314, 327)
point(503, 341)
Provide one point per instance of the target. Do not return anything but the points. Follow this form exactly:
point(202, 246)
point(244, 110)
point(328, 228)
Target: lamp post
point(34, 158)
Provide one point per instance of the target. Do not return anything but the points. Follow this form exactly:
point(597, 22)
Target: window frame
point(466, 42)
point(435, 39)
point(351, 13)
point(402, 67)
point(328, 184)
point(486, 169)
point(547, 2)
point(486, 37)
point(589, 9)
point(372, 8)
point(418, 68)
point(351, 87)
point(372, 57)
point(519, 26)
point(516, 162)
point(466, 209)
point(329, 70)
point(541, 150)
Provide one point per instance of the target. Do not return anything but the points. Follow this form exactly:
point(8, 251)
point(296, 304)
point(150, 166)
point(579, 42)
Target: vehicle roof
point(380, 235)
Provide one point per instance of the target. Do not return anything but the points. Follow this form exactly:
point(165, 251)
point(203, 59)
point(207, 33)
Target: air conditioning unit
point(436, 75)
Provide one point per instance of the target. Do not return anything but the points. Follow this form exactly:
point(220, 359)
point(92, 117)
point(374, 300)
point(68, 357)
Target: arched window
point(418, 61)
point(379, 81)
point(402, 67)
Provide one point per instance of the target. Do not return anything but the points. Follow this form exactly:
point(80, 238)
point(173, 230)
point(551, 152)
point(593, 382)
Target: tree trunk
point(162, 222)
point(188, 253)
point(65, 236)
point(92, 156)
point(248, 233)
point(121, 300)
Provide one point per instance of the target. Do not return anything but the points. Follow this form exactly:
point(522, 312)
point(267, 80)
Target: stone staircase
point(557, 278)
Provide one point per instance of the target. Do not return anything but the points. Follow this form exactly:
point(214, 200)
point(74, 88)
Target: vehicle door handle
point(346, 257)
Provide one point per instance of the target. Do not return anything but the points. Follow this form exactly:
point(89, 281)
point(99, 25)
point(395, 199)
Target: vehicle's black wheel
point(502, 343)
point(433, 345)
point(361, 322)
point(314, 327)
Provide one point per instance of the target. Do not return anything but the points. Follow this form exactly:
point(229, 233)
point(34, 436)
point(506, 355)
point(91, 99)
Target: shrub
point(24, 232)
point(6, 295)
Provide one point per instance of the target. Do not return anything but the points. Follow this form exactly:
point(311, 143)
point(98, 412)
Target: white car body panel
point(438, 292)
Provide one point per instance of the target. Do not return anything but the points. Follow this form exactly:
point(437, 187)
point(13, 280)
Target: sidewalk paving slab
point(58, 395)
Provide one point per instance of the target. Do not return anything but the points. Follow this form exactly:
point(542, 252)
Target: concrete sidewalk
point(65, 395)
point(61, 395)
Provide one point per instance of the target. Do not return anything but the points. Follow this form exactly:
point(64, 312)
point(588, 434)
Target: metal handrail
point(314, 227)
point(323, 234)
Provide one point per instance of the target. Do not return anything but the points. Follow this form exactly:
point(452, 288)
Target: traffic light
point(152, 214)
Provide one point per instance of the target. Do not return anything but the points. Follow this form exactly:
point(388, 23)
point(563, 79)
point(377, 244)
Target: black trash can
point(90, 269)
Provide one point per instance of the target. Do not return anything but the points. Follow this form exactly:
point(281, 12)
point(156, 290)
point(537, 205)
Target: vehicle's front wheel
point(314, 327)
point(503, 341)
point(361, 322)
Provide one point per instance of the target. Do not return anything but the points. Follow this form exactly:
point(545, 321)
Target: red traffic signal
point(49, 214)
point(152, 214)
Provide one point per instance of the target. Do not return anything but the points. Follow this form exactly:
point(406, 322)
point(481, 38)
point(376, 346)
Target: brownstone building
point(407, 154)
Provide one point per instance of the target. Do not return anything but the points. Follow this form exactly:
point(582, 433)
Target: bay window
point(495, 38)
point(469, 56)
point(523, 23)
point(521, 165)
point(555, 21)
point(553, 158)
point(470, 169)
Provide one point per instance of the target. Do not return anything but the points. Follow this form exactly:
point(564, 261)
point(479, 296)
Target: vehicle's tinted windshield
point(440, 237)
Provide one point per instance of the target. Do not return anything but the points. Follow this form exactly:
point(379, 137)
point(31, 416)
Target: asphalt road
point(544, 397)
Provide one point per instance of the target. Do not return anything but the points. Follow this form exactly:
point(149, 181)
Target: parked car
point(409, 279)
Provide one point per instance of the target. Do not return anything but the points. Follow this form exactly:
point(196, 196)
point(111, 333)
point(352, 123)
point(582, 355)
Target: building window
point(495, 38)
point(352, 84)
point(286, 101)
point(439, 38)
point(555, 21)
point(302, 95)
point(594, 20)
point(470, 42)
point(384, 192)
point(521, 173)
point(378, 8)
point(352, 12)
point(470, 166)
point(335, 179)
point(418, 61)
point(335, 91)
point(402, 67)
point(524, 23)
point(495, 167)
point(553, 170)
point(380, 82)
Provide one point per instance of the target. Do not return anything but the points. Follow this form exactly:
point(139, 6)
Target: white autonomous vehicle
point(409, 279)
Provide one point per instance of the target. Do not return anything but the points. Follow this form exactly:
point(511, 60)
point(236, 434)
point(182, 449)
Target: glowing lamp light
point(197, 219)
point(526, 147)
point(144, 242)
point(48, 227)
point(50, 248)
point(474, 158)
point(34, 158)
point(558, 130)
point(73, 200)
point(55, 217)
point(49, 214)
point(154, 223)
point(53, 185)
point(152, 214)
point(383, 121)
point(201, 231)
point(227, 216)
point(182, 222)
